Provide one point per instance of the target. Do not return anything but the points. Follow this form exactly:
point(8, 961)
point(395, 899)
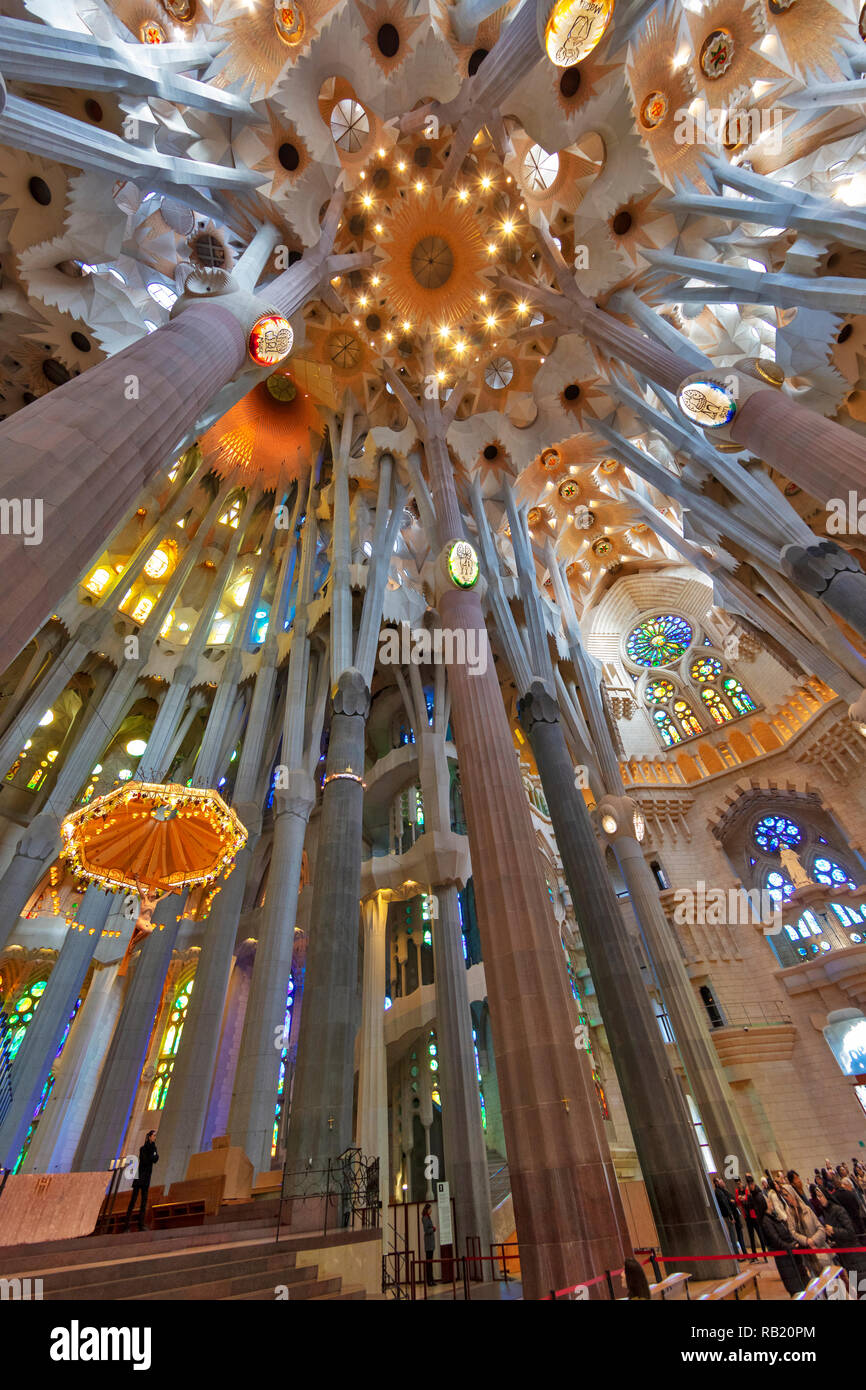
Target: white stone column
point(371, 1131)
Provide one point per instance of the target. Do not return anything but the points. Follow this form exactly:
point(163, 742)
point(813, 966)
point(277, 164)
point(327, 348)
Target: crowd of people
point(802, 1225)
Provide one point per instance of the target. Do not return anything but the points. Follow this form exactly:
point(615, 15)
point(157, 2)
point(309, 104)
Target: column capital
point(251, 817)
point(352, 694)
point(537, 706)
point(298, 797)
point(814, 567)
point(620, 819)
point(40, 839)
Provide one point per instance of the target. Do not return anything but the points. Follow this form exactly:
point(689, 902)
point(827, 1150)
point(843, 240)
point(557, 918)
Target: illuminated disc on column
point(707, 403)
point(270, 340)
point(575, 28)
point(462, 563)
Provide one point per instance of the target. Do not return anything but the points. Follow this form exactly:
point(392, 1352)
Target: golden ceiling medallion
point(769, 371)
point(435, 263)
point(550, 459)
point(289, 23)
point(568, 489)
point(151, 32)
point(182, 11)
point(575, 28)
point(602, 546)
point(608, 465)
point(717, 53)
point(653, 110)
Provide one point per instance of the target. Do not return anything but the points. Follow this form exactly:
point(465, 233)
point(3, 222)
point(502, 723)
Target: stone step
point(251, 1285)
point(163, 1271)
point(88, 1249)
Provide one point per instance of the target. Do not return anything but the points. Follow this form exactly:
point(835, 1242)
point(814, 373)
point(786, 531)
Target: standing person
point(147, 1156)
point(730, 1215)
point(754, 1207)
point(840, 1232)
point(429, 1243)
point(845, 1198)
point(792, 1270)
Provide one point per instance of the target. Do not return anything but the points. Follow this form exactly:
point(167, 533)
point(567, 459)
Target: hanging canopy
point(161, 838)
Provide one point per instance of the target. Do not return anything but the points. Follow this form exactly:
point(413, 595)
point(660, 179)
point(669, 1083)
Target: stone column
point(371, 1130)
point(69, 450)
point(706, 1080)
point(321, 1117)
point(462, 1133)
point(36, 1056)
point(77, 1071)
point(105, 1128)
point(830, 574)
point(686, 1216)
point(251, 1117)
point(182, 1122)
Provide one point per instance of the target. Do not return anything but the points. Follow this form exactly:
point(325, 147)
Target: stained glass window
point(21, 1015)
point(659, 641)
point(706, 668)
point(170, 1044)
point(741, 702)
point(773, 831)
point(716, 705)
point(281, 1086)
point(828, 871)
point(479, 1079)
point(687, 717)
point(666, 727)
point(657, 692)
point(45, 1092)
point(779, 886)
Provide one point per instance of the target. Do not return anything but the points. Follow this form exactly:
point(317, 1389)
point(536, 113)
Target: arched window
point(687, 717)
point(170, 1043)
point(719, 711)
point(828, 871)
point(779, 886)
point(741, 702)
point(666, 727)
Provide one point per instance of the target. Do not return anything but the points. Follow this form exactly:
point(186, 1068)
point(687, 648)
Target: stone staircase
point(234, 1256)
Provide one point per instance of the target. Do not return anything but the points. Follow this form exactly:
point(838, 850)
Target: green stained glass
point(659, 641)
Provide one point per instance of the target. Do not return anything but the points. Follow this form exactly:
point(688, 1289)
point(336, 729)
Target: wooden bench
point(169, 1214)
point(733, 1288)
point(673, 1281)
point(820, 1284)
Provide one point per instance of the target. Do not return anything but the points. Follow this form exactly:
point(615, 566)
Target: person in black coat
point(791, 1267)
point(840, 1231)
point(730, 1214)
point(847, 1199)
point(147, 1157)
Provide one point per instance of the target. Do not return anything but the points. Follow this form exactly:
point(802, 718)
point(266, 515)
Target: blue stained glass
point(659, 641)
point(773, 831)
point(779, 886)
point(828, 871)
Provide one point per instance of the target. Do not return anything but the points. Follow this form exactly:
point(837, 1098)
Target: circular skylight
point(350, 125)
point(540, 169)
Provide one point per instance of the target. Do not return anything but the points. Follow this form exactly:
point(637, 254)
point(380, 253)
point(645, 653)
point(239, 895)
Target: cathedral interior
point(432, 444)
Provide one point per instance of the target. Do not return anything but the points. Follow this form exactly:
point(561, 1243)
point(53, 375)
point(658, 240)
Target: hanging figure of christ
point(144, 924)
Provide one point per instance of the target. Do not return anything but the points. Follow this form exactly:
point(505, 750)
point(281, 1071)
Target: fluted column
point(182, 1122)
point(686, 1217)
point(77, 1070)
point(371, 1130)
point(321, 1117)
point(35, 1058)
point(726, 1134)
point(105, 1127)
point(251, 1118)
point(463, 1136)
